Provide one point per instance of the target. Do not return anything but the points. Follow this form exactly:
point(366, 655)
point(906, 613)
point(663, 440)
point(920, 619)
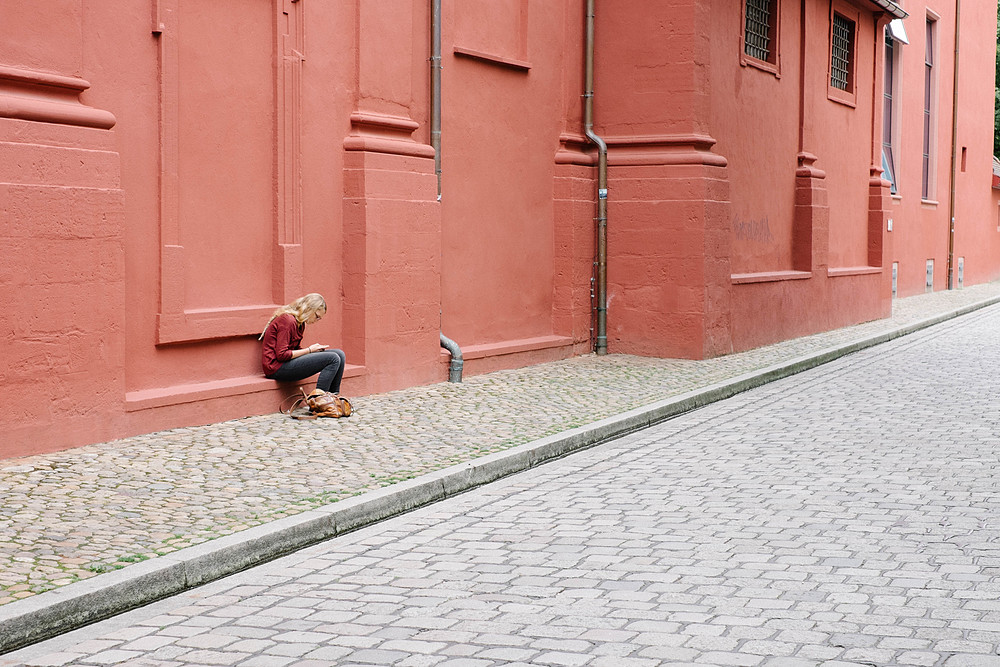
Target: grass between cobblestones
point(80, 513)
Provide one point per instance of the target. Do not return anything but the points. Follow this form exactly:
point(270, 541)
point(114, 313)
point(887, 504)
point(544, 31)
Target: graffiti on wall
point(757, 231)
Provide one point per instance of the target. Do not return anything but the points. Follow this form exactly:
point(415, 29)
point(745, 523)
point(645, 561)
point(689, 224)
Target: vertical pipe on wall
point(954, 151)
point(457, 362)
point(802, 76)
point(436, 89)
point(601, 337)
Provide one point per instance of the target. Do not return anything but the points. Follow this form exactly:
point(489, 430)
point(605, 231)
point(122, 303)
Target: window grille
point(843, 46)
point(757, 36)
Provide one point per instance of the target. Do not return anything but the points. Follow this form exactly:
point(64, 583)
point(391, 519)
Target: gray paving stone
point(207, 657)
point(269, 661)
point(377, 656)
point(918, 659)
point(53, 660)
point(113, 657)
point(169, 652)
point(421, 661)
point(288, 649)
point(738, 659)
point(205, 640)
point(563, 659)
point(327, 653)
point(147, 644)
point(820, 653)
point(617, 661)
point(769, 648)
point(507, 654)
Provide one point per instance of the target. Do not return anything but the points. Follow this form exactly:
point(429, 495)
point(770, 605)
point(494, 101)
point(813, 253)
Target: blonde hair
point(300, 309)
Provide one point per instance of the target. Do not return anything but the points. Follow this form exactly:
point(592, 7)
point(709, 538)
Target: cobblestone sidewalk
point(76, 514)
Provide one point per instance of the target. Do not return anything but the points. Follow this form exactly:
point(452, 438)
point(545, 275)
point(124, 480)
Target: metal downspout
point(455, 367)
point(436, 89)
point(954, 151)
point(601, 337)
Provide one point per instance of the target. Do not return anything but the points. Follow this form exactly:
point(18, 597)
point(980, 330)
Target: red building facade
point(172, 170)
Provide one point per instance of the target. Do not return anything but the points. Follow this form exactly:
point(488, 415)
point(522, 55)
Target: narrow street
point(848, 515)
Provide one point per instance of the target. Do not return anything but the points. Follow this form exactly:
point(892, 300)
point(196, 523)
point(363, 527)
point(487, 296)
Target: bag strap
point(297, 402)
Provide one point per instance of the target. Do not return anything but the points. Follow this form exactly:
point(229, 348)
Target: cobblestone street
point(77, 514)
point(847, 515)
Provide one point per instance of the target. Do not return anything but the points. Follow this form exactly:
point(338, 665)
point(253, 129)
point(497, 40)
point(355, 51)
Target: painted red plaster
point(165, 183)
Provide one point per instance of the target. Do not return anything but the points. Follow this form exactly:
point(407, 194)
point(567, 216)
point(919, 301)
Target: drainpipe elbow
point(601, 145)
point(455, 368)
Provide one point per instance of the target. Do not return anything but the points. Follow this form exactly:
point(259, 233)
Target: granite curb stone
point(36, 618)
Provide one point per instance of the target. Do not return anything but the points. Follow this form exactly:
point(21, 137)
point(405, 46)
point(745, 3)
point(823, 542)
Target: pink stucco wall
point(165, 183)
point(62, 281)
point(802, 227)
point(921, 226)
point(502, 118)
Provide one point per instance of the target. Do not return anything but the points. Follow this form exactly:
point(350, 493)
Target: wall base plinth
point(668, 260)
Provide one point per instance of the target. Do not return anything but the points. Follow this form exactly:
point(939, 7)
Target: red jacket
point(282, 335)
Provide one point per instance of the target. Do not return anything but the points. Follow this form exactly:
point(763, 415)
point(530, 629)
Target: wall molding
point(383, 133)
point(665, 149)
point(576, 149)
point(160, 397)
point(48, 98)
point(839, 271)
point(769, 277)
point(502, 61)
point(485, 350)
point(629, 150)
point(175, 322)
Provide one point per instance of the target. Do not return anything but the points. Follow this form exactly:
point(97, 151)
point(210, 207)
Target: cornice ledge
point(876, 178)
point(48, 98)
point(576, 149)
point(383, 133)
point(806, 168)
point(665, 149)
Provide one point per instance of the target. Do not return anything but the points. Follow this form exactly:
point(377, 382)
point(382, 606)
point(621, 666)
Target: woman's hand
point(315, 347)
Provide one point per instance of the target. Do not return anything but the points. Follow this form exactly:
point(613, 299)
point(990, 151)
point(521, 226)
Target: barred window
point(760, 30)
point(842, 54)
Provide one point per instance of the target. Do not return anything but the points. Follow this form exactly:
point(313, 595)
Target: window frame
point(928, 166)
point(890, 111)
point(848, 97)
point(773, 63)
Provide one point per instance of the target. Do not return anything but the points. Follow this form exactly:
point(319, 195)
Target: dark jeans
point(328, 363)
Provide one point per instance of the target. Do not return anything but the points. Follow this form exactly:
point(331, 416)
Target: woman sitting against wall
point(282, 357)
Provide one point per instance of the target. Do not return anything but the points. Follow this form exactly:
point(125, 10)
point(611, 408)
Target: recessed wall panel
point(225, 172)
